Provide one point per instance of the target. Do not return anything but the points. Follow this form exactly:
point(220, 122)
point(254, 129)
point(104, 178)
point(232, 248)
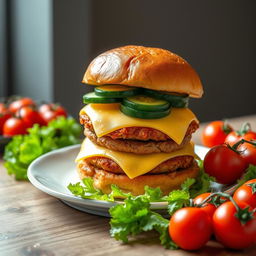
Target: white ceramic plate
point(53, 171)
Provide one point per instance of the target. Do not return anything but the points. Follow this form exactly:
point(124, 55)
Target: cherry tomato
point(250, 181)
point(190, 228)
point(53, 107)
point(30, 116)
point(14, 126)
point(51, 111)
point(44, 107)
point(244, 133)
point(224, 164)
point(4, 116)
point(229, 230)
point(17, 104)
point(246, 193)
point(248, 152)
point(215, 133)
point(3, 108)
point(208, 207)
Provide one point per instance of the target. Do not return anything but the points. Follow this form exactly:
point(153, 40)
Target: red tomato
point(244, 133)
point(53, 107)
point(215, 133)
point(51, 111)
point(208, 208)
point(224, 164)
point(246, 194)
point(30, 116)
point(3, 108)
point(229, 230)
point(3, 118)
point(190, 228)
point(14, 126)
point(250, 181)
point(248, 152)
point(17, 104)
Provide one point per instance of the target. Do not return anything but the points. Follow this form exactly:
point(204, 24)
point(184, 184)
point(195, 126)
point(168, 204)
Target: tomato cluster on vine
point(232, 220)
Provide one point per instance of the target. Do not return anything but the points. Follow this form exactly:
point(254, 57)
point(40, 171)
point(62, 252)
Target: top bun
point(145, 67)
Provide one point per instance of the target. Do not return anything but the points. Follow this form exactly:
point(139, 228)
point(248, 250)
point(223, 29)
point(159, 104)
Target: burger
point(137, 123)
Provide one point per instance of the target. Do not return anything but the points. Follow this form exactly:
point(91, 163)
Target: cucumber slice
point(116, 91)
point(91, 97)
point(176, 100)
point(145, 103)
point(144, 114)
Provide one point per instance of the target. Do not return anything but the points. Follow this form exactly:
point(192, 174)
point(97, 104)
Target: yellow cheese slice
point(107, 118)
point(133, 164)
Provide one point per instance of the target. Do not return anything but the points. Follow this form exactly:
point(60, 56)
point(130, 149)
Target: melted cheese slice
point(132, 164)
point(107, 118)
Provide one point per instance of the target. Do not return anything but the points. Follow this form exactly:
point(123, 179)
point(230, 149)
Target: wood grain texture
point(33, 223)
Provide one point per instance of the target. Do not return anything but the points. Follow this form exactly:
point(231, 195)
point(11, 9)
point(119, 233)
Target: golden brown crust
point(110, 165)
point(167, 182)
point(136, 146)
point(145, 67)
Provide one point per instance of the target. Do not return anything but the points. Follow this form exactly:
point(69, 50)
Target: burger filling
point(107, 164)
point(137, 133)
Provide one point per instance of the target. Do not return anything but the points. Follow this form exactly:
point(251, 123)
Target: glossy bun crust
point(145, 67)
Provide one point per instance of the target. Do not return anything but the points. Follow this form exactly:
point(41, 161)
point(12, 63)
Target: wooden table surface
point(34, 223)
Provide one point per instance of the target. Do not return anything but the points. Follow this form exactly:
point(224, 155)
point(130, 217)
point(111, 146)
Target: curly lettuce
point(23, 149)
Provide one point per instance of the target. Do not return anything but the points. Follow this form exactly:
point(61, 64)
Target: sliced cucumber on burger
point(144, 114)
point(145, 103)
point(116, 91)
point(91, 97)
point(176, 100)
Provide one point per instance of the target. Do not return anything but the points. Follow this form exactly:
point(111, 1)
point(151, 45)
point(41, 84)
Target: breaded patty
point(109, 165)
point(136, 146)
point(166, 181)
point(136, 133)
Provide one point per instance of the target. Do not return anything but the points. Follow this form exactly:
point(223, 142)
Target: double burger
point(137, 123)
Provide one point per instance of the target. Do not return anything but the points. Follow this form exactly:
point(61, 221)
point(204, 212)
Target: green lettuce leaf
point(153, 194)
point(87, 191)
point(23, 149)
point(177, 199)
point(202, 182)
point(249, 174)
point(134, 217)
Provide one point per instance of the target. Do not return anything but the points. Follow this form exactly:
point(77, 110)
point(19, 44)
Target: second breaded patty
point(109, 165)
point(167, 182)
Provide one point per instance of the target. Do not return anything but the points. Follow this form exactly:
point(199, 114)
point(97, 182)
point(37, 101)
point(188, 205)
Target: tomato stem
point(246, 127)
point(244, 215)
point(226, 128)
point(253, 187)
point(234, 148)
point(240, 142)
point(219, 194)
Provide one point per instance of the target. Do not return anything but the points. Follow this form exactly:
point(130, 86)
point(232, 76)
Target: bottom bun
point(166, 182)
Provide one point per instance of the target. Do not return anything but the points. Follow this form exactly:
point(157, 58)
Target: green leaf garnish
point(250, 174)
point(23, 149)
point(134, 217)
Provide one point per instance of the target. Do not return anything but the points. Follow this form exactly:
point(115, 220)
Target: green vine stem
point(242, 141)
point(246, 127)
point(244, 215)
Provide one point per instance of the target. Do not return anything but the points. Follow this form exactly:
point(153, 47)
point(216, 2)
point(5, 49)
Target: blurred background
point(45, 46)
